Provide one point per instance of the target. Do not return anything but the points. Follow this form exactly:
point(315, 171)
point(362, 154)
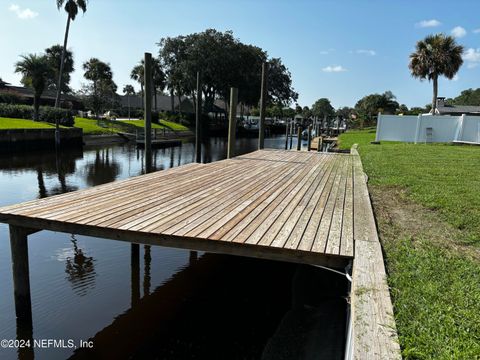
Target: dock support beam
point(309, 137)
point(135, 274)
point(299, 138)
point(286, 135)
point(292, 126)
point(21, 276)
point(148, 110)
point(263, 106)
point(232, 122)
point(198, 115)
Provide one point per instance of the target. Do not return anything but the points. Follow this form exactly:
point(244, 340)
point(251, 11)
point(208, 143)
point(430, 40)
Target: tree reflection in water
point(80, 270)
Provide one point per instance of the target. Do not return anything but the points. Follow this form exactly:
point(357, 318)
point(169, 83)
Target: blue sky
point(342, 50)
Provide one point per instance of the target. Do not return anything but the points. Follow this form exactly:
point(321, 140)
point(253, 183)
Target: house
point(48, 97)
point(446, 109)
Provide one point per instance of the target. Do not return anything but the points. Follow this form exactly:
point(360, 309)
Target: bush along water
point(47, 114)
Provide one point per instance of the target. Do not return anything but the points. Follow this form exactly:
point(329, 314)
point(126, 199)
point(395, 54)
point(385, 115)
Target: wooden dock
point(303, 207)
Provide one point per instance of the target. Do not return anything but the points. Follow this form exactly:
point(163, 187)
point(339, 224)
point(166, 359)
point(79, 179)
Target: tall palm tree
point(71, 7)
point(35, 70)
point(128, 90)
point(137, 75)
point(434, 56)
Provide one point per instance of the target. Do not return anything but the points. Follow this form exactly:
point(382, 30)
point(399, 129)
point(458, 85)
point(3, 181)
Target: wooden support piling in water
point(232, 122)
point(292, 126)
point(263, 106)
point(320, 143)
point(299, 138)
point(148, 110)
point(135, 274)
point(21, 274)
point(198, 114)
point(309, 137)
point(286, 135)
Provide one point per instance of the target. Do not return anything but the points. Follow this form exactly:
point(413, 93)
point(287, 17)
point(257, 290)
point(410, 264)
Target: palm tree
point(128, 90)
point(434, 56)
point(137, 75)
point(35, 72)
point(158, 77)
point(71, 7)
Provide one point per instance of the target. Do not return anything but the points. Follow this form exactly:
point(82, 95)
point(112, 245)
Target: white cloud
point(326, 52)
point(476, 31)
point(334, 68)
point(472, 57)
point(366, 52)
point(458, 32)
point(455, 78)
point(24, 14)
point(428, 23)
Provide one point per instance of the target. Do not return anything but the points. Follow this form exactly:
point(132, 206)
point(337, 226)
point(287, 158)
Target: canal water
point(141, 302)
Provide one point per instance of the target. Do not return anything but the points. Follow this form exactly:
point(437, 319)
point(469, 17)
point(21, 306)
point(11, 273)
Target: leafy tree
point(158, 77)
point(298, 109)
point(128, 90)
point(467, 97)
point(346, 114)
point(322, 108)
point(306, 112)
point(102, 89)
point(369, 106)
point(35, 71)
point(402, 109)
point(434, 56)
point(137, 75)
point(224, 62)
point(71, 7)
point(54, 56)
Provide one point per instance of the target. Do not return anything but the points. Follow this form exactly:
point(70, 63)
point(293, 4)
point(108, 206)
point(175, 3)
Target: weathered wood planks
point(277, 202)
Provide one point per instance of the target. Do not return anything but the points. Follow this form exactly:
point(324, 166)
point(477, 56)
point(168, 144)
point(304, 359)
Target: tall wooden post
point(292, 127)
point(286, 134)
point(21, 276)
point(299, 137)
point(135, 274)
point(198, 115)
point(148, 110)
point(232, 122)
point(309, 137)
point(263, 106)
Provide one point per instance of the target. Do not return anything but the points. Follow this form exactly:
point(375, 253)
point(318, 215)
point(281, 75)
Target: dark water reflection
point(151, 302)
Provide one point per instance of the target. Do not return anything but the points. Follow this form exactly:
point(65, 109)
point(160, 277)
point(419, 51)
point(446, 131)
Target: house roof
point(458, 109)
point(28, 92)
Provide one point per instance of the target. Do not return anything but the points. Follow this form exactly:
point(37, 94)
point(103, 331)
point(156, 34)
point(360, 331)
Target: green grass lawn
point(91, 127)
point(427, 205)
point(8, 123)
point(163, 124)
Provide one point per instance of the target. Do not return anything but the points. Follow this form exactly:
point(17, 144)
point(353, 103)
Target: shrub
point(47, 113)
point(155, 117)
point(51, 115)
point(16, 111)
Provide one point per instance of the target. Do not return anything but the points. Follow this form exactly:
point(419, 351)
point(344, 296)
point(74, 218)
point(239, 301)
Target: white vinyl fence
point(428, 128)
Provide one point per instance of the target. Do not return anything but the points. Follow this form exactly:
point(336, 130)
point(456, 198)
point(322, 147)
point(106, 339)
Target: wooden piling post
point(21, 275)
point(198, 114)
point(148, 110)
point(232, 122)
point(299, 137)
point(320, 143)
point(292, 125)
point(135, 274)
point(263, 106)
point(286, 134)
point(309, 137)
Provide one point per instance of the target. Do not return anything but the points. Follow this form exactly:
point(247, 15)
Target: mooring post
point(309, 137)
point(148, 110)
point(263, 106)
point(21, 276)
point(286, 134)
point(135, 274)
point(198, 114)
point(299, 137)
point(232, 122)
point(292, 126)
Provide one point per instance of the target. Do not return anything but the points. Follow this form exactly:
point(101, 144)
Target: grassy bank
point(8, 123)
point(427, 205)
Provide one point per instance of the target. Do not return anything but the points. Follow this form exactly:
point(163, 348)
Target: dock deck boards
point(303, 207)
point(294, 204)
